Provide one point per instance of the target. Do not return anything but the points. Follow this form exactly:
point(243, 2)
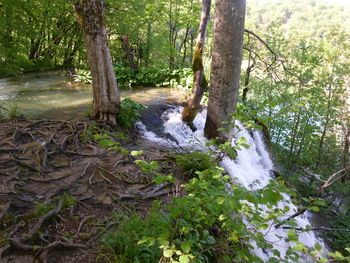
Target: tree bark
point(106, 98)
point(225, 66)
point(200, 83)
point(128, 52)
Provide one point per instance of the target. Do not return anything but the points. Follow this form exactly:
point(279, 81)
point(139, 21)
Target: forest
point(174, 131)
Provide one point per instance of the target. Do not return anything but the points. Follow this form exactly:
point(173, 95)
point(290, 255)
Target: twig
point(82, 223)
point(4, 211)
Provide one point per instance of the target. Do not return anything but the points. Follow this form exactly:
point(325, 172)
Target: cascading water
point(252, 169)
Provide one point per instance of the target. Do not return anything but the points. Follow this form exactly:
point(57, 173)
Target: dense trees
point(106, 97)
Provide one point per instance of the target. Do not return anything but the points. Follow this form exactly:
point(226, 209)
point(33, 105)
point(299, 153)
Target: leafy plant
point(209, 224)
point(122, 244)
point(340, 240)
point(130, 112)
point(104, 139)
point(83, 76)
point(194, 161)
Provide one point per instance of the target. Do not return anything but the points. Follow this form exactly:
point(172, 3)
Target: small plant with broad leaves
point(104, 139)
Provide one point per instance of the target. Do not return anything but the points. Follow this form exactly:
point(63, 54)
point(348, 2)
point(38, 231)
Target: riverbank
point(61, 185)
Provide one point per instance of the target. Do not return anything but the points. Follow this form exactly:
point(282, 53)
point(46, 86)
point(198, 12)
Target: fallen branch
point(328, 183)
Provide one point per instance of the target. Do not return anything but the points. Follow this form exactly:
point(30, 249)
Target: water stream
point(53, 95)
point(251, 165)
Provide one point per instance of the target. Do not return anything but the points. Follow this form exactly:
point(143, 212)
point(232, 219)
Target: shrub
point(130, 112)
point(340, 240)
point(194, 161)
point(206, 225)
point(122, 244)
point(146, 77)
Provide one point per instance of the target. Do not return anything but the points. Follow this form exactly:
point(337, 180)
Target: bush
point(206, 225)
point(339, 240)
point(146, 77)
point(152, 77)
point(122, 245)
point(130, 112)
point(194, 161)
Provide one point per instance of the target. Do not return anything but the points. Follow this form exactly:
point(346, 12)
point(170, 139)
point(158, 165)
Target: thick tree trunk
point(225, 66)
point(106, 98)
point(200, 83)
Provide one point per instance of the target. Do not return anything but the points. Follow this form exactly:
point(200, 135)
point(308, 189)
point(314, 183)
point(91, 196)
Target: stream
point(251, 166)
point(53, 95)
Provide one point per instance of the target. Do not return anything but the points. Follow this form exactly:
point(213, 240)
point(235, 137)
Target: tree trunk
point(200, 83)
point(225, 66)
point(106, 98)
point(128, 52)
point(346, 152)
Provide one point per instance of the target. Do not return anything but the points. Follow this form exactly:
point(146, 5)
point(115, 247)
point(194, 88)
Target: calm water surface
point(52, 95)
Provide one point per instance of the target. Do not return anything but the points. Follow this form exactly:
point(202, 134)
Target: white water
point(251, 165)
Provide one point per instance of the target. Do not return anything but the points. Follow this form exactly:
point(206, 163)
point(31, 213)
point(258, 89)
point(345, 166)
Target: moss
point(197, 57)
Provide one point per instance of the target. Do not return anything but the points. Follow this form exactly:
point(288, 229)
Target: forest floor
point(59, 188)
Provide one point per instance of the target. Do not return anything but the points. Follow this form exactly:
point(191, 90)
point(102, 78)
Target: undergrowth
point(10, 111)
point(216, 221)
point(145, 77)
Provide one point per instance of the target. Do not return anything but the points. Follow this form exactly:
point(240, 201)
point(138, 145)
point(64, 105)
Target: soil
point(59, 189)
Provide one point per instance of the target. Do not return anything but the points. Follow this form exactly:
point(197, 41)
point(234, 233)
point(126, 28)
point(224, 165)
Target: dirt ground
point(59, 188)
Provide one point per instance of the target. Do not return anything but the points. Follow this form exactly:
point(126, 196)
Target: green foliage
point(68, 200)
point(10, 111)
point(206, 225)
point(194, 161)
point(339, 240)
point(122, 244)
point(153, 77)
point(83, 76)
point(42, 208)
point(130, 112)
point(145, 77)
point(105, 140)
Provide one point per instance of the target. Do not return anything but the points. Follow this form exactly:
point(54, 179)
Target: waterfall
point(252, 165)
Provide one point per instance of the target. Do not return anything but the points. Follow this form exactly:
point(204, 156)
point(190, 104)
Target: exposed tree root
point(43, 162)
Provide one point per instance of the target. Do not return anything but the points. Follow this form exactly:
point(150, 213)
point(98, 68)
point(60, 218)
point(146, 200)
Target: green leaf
point(186, 246)
point(314, 209)
point(184, 259)
point(137, 153)
point(292, 235)
point(220, 200)
point(318, 247)
point(168, 253)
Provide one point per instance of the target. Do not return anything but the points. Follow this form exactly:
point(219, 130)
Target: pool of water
point(53, 95)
